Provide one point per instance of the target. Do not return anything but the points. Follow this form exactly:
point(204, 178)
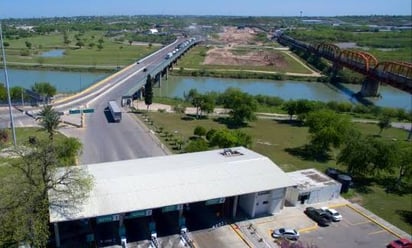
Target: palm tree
point(49, 120)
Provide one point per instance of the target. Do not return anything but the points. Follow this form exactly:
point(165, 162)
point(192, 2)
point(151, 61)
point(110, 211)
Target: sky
point(58, 8)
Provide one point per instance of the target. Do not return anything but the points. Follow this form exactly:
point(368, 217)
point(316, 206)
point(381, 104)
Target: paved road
point(105, 141)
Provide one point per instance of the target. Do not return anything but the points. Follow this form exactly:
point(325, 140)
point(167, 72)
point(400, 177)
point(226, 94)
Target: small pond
point(53, 53)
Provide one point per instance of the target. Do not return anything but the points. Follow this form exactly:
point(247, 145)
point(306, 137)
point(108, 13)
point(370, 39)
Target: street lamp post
point(7, 86)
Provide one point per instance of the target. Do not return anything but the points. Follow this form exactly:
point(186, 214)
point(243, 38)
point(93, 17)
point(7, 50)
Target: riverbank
point(246, 74)
point(63, 67)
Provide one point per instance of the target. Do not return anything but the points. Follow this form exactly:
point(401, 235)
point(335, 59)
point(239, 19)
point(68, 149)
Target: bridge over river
point(396, 74)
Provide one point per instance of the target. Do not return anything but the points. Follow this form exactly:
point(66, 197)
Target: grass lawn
point(112, 54)
point(196, 56)
point(23, 134)
point(271, 138)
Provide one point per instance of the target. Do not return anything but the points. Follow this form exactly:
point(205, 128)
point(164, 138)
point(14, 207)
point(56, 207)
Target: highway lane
point(104, 141)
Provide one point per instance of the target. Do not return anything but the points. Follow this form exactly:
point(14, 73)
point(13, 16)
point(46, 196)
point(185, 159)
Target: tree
point(91, 44)
point(199, 131)
point(405, 163)
point(66, 40)
point(180, 142)
point(290, 107)
point(28, 44)
point(243, 106)
point(6, 44)
point(369, 155)
point(207, 103)
point(210, 134)
point(197, 145)
point(100, 41)
point(80, 44)
point(4, 136)
point(224, 138)
point(195, 99)
point(356, 155)
point(327, 129)
point(16, 92)
point(384, 123)
point(3, 92)
point(44, 89)
point(148, 92)
point(49, 120)
point(100, 46)
point(31, 187)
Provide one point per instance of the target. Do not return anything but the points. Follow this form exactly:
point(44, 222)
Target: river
point(68, 82)
point(65, 82)
point(390, 97)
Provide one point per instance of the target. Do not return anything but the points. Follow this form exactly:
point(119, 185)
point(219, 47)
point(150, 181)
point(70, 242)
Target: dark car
point(318, 215)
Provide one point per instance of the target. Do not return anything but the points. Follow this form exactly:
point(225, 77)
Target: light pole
point(7, 86)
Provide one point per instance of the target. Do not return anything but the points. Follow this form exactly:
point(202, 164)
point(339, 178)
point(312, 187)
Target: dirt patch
point(240, 48)
point(235, 36)
point(228, 56)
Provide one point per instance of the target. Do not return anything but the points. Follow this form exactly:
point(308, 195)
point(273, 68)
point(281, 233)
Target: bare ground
point(225, 56)
point(232, 38)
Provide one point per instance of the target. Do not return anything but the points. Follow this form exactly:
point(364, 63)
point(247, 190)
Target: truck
point(115, 111)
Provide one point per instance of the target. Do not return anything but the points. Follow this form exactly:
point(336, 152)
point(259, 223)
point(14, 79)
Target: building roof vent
point(227, 152)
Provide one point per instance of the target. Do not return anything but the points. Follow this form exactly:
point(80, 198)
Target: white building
point(235, 178)
point(153, 31)
point(312, 187)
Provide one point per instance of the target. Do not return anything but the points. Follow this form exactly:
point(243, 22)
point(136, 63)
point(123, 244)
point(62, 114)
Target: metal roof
point(148, 183)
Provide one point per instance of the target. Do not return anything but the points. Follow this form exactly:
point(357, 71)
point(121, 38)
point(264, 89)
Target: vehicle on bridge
point(115, 111)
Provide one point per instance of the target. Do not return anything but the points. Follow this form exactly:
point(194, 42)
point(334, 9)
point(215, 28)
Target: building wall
point(265, 202)
point(325, 193)
point(292, 194)
point(277, 200)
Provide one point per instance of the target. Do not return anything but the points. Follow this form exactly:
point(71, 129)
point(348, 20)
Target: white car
point(335, 215)
point(287, 233)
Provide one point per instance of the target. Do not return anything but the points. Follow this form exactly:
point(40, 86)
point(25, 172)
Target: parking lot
point(355, 230)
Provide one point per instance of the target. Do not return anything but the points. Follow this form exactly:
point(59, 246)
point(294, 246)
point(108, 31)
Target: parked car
point(318, 215)
point(400, 243)
point(334, 215)
point(287, 233)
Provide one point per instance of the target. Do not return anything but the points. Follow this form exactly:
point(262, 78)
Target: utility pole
point(7, 86)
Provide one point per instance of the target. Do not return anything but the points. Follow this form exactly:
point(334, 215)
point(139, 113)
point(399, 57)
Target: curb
point(236, 230)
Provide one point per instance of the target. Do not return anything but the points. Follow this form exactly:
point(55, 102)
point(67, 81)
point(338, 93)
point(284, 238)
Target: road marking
point(358, 223)
point(308, 229)
point(235, 228)
point(377, 232)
